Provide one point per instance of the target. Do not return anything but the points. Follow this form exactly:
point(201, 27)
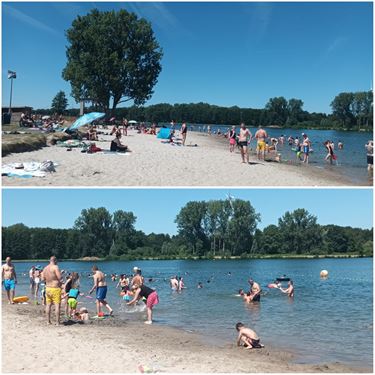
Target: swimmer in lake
point(173, 282)
point(247, 337)
point(289, 290)
point(254, 291)
point(200, 285)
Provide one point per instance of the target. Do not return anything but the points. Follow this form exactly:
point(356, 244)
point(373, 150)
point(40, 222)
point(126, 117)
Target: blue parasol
point(86, 119)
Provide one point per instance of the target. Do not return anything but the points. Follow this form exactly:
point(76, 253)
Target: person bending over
point(247, 337)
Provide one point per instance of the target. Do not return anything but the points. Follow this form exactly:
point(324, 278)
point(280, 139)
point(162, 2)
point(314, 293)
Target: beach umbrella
point(132, 122)
point(45, 117)
point(86, 119)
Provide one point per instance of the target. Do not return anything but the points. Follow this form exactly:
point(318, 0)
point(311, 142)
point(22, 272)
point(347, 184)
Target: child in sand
point(82, 314)
point(247, 337)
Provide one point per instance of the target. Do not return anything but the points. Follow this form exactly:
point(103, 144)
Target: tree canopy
point(59, 103)
point(112, 57)
point(206, 229)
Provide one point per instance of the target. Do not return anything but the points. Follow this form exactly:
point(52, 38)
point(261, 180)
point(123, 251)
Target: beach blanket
point(72, 143)
point(28, 169)
point(164, 133)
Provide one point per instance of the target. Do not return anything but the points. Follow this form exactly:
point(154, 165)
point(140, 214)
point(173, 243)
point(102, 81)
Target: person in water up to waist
point(9, 279)
point(101, 290)
point(52, 277)
point(151, 296)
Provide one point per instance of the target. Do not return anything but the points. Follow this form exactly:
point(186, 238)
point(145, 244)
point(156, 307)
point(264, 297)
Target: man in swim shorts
point(243, 139)
point(9, 279)
point(101, 290)
point(306, 144)
point(261, 136)
point(52, 277)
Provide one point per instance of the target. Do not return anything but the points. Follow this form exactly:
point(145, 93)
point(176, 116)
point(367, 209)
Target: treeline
point(220, 228)
point(350, 111)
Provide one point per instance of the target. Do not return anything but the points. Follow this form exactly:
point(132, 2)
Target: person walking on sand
point(243, 139)
point(306, 144)
point(183, 131)
point(9, 279)
point(151, 296)
point(261, 136)
point(52, 277)
point(101, 290)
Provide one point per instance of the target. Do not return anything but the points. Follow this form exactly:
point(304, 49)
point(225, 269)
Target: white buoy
point(323, 273)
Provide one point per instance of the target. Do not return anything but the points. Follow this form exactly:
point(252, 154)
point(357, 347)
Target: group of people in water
point(59, 288)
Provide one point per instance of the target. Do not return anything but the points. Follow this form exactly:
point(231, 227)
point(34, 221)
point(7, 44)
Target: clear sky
point(220, 53)
point(156, 209)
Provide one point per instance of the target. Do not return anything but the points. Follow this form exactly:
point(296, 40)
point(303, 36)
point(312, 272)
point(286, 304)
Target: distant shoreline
point(271, 257)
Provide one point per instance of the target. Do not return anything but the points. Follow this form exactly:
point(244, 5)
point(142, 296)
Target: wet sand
point(153, 163)
point(113, 346)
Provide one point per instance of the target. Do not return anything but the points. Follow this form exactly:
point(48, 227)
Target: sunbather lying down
point(116, 144)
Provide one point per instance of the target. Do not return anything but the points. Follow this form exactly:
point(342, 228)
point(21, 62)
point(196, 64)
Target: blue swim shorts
point(9, 284)
point(101, 293)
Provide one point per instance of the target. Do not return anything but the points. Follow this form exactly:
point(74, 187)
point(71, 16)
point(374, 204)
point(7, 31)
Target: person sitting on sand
point(289, 290)
point(117, 146)
point(82, 314)
point(151, 296)
point(52, 276)
point(247, 337)
point(9, 279)
point(101, 290)
point(91, 133)
point(255, 291)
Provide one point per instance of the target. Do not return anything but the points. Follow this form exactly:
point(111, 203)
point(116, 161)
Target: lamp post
point(11, 76)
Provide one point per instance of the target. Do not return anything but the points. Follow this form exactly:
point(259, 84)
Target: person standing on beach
point(370, 155)
point(232, 138)
point(31, 279)
point(306, 144)
point(261, 136)
point(125, 125)
point(52, 276)
point(101, 290)
point(243, 139)
point(183, 131)
point(9, 279)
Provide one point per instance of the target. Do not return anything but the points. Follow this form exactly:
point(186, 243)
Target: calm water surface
point(328, 320)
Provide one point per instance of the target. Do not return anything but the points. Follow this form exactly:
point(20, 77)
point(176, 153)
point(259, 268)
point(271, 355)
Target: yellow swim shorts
point(261, 146)
point(53, 295)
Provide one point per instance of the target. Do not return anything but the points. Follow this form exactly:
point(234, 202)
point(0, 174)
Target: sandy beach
point(152, 163)
point(111, 346)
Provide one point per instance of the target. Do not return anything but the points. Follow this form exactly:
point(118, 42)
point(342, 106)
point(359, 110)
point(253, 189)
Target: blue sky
point(156, 209)
point(221, 53)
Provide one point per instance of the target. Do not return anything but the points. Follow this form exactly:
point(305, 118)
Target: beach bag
point(47, 166)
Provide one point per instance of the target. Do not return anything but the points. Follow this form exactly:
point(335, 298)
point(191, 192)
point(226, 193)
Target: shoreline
point(114, 346)
point(152, 163)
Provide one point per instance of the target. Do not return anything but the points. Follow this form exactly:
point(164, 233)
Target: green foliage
point(59, 103)
point(112, 57)
point(206, 230)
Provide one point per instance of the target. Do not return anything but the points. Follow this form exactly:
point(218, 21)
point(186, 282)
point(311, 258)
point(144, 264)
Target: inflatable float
point(283, 278)
point(20, 299)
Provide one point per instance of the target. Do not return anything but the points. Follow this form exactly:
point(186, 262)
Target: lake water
point(328, 320)
point(352, 161)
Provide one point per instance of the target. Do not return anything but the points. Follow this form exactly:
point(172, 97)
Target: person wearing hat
point(137, 278)
point(306, 144)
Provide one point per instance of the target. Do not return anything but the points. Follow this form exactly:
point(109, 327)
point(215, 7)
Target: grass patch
point(15, 143)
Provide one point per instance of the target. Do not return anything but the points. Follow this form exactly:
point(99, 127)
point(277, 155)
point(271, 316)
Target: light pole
point(11, 76)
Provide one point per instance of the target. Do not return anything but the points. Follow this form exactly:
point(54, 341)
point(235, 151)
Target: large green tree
point(59, 103)
point(112, 57)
